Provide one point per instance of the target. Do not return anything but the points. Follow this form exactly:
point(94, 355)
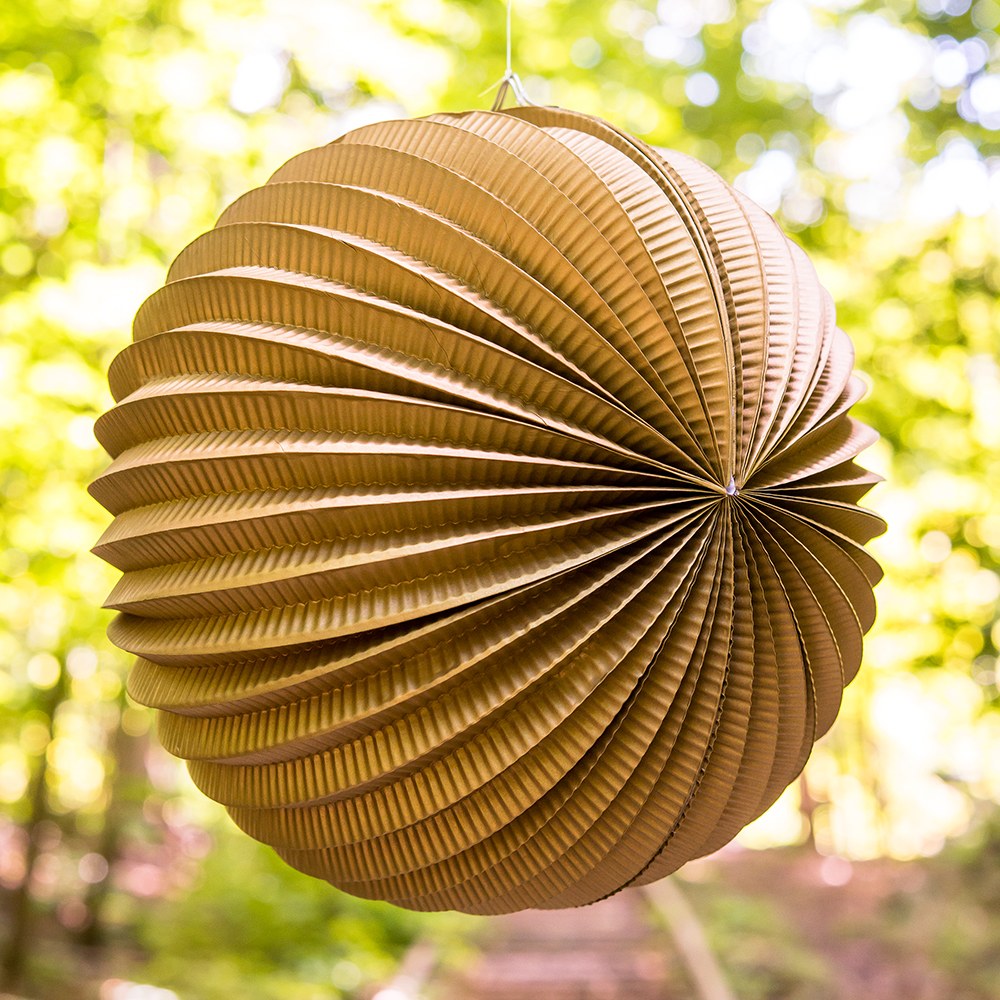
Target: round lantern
point(485, 495)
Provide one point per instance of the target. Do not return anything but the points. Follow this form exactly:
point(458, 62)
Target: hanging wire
point(510, 80)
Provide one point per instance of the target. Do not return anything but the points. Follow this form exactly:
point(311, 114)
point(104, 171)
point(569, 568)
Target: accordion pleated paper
point(485, 496)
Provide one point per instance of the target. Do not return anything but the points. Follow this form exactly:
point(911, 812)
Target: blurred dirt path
point(844, 921)
point(608, 951)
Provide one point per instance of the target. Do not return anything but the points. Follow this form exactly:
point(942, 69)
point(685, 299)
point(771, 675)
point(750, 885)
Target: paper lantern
point(485, 495)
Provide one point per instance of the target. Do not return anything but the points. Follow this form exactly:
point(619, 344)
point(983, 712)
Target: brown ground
point(776, 926)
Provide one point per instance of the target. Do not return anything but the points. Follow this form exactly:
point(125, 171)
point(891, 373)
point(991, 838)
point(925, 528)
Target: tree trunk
point(127, 786)
point(21, 910)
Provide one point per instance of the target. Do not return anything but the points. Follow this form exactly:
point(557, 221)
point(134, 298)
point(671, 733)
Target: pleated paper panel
point(485, 497)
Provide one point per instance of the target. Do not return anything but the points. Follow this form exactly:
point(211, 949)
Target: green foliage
point(762, 971)
point(250, 920)
point(127, 127)
point(964, 933)
point(763, 953)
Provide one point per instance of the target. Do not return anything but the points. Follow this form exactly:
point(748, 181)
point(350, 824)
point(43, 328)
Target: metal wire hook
point(510, 81)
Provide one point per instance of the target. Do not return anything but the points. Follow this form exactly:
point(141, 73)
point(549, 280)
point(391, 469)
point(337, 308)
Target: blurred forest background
point(871, 131)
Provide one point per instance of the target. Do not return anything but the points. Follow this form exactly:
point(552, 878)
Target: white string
point(510, 81)
point(510, 68)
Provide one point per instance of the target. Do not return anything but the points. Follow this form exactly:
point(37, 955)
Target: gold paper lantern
point(485, 495)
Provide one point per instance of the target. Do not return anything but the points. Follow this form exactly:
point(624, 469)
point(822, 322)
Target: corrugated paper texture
point(485, 495)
